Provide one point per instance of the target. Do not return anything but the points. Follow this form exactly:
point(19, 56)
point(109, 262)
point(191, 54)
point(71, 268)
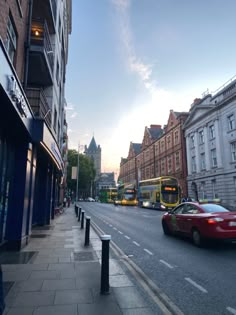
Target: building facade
point(210, 133)
point(32, 132)
point(162, 152)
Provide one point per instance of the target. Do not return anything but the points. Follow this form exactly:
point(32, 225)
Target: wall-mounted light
point(36, 33)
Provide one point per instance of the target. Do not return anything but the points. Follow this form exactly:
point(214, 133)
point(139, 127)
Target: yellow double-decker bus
point(126, 195)
point(159, 193)
point(108, 195)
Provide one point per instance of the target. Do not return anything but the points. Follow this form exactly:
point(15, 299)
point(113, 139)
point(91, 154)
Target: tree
point(86, 173)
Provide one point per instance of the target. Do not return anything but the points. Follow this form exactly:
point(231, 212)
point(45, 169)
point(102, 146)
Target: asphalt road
point(197, 280)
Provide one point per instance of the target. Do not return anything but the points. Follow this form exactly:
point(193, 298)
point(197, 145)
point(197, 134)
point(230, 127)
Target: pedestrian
point(64, 202)
point(184, 199)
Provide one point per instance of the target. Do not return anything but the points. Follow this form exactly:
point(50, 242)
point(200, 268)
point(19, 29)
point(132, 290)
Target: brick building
point(162, 152)
point(33, 57)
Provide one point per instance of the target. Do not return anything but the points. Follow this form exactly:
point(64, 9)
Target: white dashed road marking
point(120, 232)
point(231, 310)
point(128, 238)
point(135, 243)
point(199, 287)
point(166, 264)
point(148, 251)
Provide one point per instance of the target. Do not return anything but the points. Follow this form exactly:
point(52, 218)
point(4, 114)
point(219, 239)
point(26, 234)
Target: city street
point(197, 280)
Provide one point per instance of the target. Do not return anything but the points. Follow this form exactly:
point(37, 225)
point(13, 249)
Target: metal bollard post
point(87, 231)
point(82, 219)
point(105, 264)
point(79, 214)
point(76, 210)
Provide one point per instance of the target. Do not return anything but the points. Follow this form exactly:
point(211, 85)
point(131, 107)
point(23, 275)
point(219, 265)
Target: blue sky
point(131, 61)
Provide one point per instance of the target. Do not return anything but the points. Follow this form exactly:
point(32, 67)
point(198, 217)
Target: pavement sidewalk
point(55, 274)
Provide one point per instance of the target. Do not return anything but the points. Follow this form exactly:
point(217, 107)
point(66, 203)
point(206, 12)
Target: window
point(202, 193)
point(156, 149)
point(57, 73)
point(231, 122)
point(55, 120)
point(177, 161)
point(212, 132)
point(168, 142)
point(193, 164)
point(202, 161)
point(213, 158)
point(162, 146)
point(169, 164)
point(233, 151)
point(192, 141)
point(201, 137)
point(214, 193)
point(162, 166)
point(11, 39)
point(176, 137)
point(234, 183)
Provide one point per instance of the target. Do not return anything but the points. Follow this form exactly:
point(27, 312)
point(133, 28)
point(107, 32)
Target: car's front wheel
point(197, 238)
point(166, 229)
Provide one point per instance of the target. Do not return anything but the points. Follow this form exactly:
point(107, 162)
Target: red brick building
point(162, 152)
point(13, 23)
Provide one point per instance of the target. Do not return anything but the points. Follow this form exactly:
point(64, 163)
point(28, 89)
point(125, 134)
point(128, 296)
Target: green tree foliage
point(86, 173)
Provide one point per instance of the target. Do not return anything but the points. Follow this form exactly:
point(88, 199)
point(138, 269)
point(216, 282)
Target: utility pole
point(77, 181)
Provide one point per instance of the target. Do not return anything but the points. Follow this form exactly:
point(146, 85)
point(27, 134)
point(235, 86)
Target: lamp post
point(77, 178)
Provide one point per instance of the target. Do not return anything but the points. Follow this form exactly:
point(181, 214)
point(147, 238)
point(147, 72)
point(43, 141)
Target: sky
point(132, 61)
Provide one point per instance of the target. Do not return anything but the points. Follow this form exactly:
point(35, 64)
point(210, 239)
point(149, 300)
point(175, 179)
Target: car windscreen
point(213, 208)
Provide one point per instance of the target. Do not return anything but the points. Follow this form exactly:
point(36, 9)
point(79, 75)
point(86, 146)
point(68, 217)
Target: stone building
point(210, 133)
point(94, 151)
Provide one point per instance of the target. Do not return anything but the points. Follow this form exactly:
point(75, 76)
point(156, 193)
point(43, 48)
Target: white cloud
point(73, 115)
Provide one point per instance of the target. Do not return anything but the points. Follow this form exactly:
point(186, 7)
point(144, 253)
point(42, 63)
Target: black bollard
point(105, 287)
point(87, 231)
point(79, 214)
point(82, 219)
point(76, 210)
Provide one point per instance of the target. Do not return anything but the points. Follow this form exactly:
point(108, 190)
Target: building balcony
point(39, 104)
point(45, 10)
point(41, 56)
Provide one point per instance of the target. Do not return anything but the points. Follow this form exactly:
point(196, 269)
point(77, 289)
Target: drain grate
point(84, 256)
point(16, 257)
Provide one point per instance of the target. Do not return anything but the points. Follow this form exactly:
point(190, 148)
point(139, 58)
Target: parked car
point(91, 199)
point(201, 222)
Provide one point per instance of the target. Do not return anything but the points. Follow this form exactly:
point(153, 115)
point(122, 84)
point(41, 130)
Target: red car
point(200, 222)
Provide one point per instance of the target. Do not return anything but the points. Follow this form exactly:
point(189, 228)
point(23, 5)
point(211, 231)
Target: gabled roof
point(155, 131)
point(137, 148)
point(198, 110)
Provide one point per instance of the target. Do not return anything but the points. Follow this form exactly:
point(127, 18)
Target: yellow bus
point(126, 195)
point(159, 193)
point(108, 195)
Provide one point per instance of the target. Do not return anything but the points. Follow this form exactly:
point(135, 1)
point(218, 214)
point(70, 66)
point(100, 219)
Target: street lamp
point(77, 178)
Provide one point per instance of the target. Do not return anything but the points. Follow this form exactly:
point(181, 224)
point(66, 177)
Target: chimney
point(155, 126)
